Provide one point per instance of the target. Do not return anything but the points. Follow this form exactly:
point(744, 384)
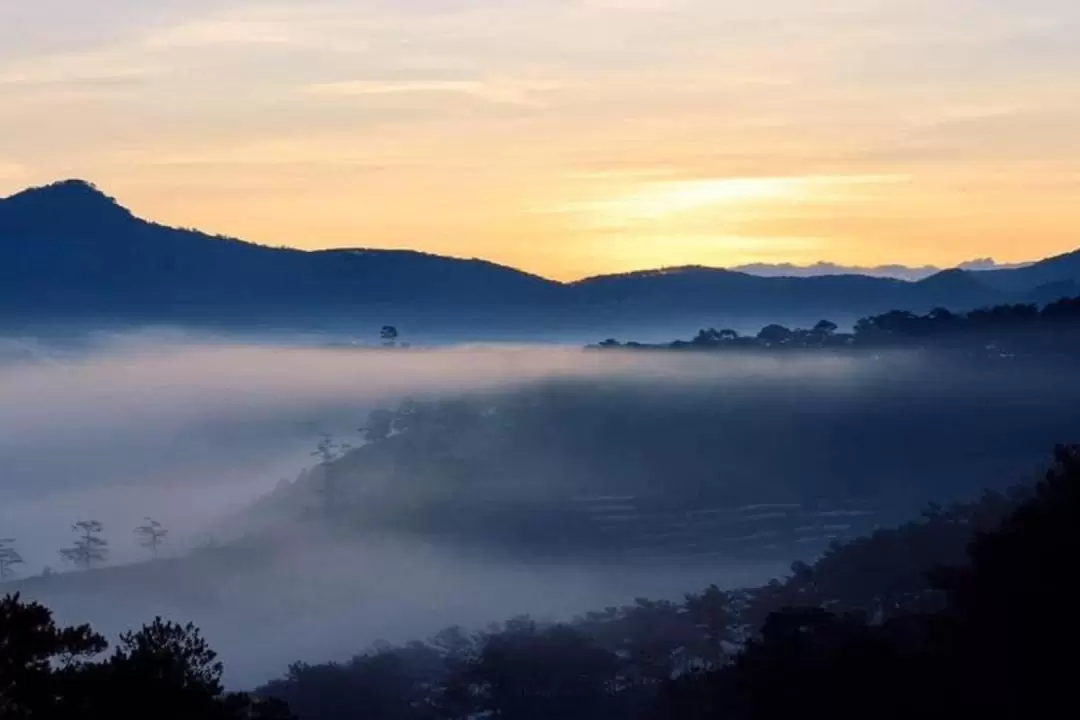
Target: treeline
point(965, 612)
point(163, 671)
point(89, 548)
point(1001, 647)
point(1050, 325)
point(875, 628)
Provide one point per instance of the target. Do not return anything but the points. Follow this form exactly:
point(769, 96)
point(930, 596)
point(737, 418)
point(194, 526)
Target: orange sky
point(566, 137)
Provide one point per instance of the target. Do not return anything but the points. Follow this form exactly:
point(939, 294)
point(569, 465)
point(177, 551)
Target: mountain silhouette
point(691, 289)
point(69, 252)
point(1060, 269)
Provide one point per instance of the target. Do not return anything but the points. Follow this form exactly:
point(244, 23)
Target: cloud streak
point(511, 92)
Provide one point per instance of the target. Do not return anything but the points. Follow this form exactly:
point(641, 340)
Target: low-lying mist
point(196, 432)
point(190, 432)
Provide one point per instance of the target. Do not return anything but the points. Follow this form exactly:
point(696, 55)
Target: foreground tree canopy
point(961, 613)
point(958, 614)
point(164, 671)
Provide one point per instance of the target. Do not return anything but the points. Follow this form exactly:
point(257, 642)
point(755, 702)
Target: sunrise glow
point(566, 137)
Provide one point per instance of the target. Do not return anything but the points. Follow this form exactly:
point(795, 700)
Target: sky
point(565, 137)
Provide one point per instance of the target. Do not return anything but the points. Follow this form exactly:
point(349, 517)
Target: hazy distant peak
point(901, 272)
point(990, 264)
point(826, 268)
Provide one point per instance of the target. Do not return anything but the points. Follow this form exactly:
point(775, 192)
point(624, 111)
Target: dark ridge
point(70, 252)
point(64, 201)
point(674, 271)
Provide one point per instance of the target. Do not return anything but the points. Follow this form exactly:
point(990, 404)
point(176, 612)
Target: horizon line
point(902, 272)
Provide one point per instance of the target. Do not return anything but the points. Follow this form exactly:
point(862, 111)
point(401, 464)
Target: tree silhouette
point(151, 534)
point(33, 651)
point(775, 334)
point(532, 672)
point(824, 330)
point(167, 671)
point(708, 336)
point(9, 557)
point(999, 647)
point(90, 547)
point(1000, 331)
point(1010, 618)
point(163, 671)
point(714, 616)
point(174, 656)
point(389, 335)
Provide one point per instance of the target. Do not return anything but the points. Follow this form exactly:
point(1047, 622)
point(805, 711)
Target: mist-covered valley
point(318, 500)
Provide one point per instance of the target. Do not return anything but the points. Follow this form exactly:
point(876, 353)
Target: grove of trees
point(163, 671)
point(961, 613)
point(90, 548)
point(1017, 328)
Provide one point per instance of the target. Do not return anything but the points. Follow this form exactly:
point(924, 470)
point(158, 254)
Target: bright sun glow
point(672, 198)
point(663, 201)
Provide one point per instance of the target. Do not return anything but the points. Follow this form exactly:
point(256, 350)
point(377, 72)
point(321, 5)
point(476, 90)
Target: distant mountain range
point(900, 272)
point(69, 253)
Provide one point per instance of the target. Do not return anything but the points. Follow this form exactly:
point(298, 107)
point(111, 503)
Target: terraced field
point(651, 529)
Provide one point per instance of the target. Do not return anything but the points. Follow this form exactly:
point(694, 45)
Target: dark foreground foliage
point(1000, 648)
point(875, 628)
point(962, 613)
point(164, 671)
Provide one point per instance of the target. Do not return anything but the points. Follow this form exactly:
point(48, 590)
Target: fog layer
point(193, 432)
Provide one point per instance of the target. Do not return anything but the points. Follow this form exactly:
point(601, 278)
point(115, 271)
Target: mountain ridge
point(89, 191)
point(68, 250)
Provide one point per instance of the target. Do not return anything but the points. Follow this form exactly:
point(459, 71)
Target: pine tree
point(90, 547)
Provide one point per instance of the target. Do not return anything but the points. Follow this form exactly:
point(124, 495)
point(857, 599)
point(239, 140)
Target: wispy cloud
point(632, 5)
point(85, 69)
point(224, 33)
point(510, 92)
